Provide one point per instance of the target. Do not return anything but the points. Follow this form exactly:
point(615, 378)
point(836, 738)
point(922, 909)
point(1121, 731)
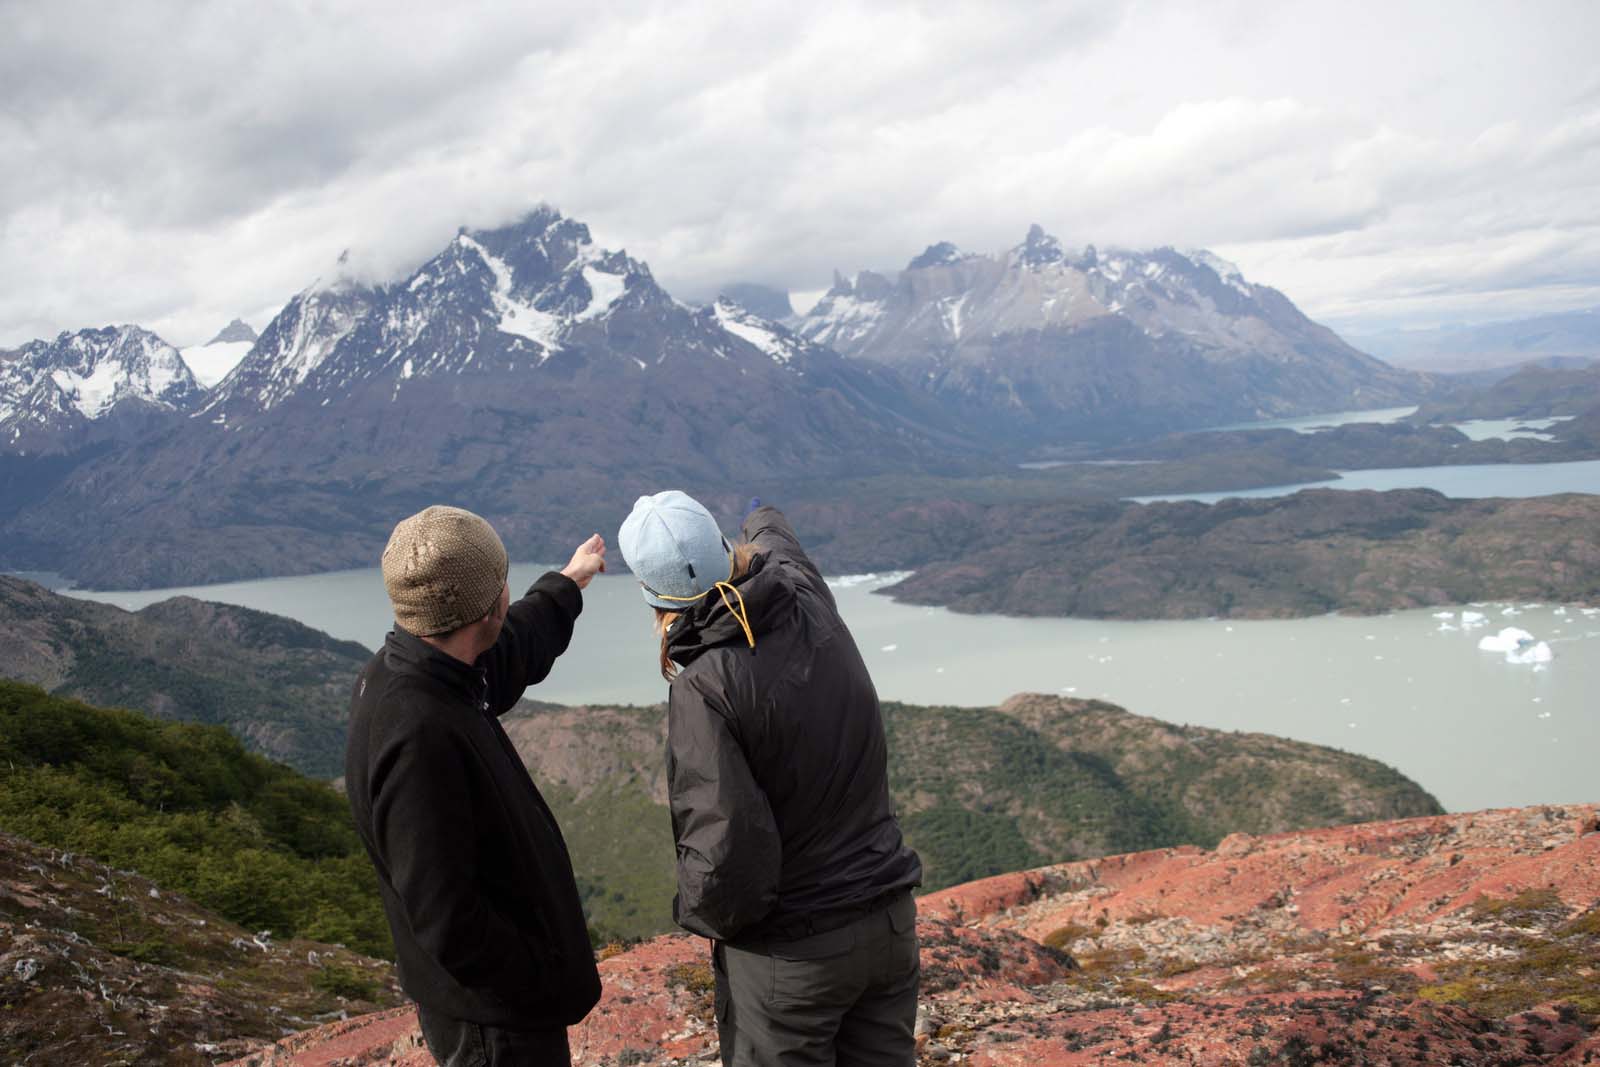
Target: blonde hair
point(743, 554)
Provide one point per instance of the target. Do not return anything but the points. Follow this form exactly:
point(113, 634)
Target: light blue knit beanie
point(673, 546)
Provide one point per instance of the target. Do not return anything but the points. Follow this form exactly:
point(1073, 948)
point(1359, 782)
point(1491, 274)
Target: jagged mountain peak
point(1039, 249)
point(235, 332)
point(51, 391)
point(938, 254)
point(500, 301)
point(1035, 330)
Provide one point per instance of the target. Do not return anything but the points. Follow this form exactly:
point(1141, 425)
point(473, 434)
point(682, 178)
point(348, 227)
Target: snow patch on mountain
point(840, 318)
point(770, 338)
point(606, 288)
point(516, 317)
point(1225, 270)
point(51, 391)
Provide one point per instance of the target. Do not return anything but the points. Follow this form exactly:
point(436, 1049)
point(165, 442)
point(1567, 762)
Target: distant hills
point(544, 381)
point(281, 687)
point(979, 790)
point(1561, 337)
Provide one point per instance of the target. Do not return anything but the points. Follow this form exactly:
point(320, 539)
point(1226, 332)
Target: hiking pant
point(456, 1043)
point(846, 997)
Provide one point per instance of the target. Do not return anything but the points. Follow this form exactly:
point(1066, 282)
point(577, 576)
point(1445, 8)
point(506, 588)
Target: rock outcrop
point(100, 966)
point(1455, 939)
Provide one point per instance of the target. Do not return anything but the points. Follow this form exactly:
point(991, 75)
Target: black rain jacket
point(474, 874)
point(777, 769)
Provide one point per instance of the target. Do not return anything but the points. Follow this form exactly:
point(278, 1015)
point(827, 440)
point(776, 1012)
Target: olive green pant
point(847, 997)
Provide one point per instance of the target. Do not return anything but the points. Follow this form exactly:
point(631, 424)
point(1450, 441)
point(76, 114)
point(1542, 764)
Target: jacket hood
point(768, 597)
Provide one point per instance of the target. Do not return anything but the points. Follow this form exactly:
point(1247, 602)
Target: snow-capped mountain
point(523, 371)
point(1098, 339)
point(212, 361)
point(495, 304)
point(93, 384)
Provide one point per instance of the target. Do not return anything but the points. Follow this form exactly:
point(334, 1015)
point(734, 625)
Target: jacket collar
point(768, 595)
point(407, 654)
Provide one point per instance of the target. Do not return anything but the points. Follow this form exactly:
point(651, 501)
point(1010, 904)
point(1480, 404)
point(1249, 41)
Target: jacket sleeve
point(422, 825)
point(537, 630)
point(729, 851)
point(768, 529)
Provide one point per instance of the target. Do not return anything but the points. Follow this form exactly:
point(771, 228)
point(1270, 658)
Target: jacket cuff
point(563, 590)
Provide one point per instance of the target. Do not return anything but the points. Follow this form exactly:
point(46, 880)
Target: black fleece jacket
point(474, 874)
point(777, 767)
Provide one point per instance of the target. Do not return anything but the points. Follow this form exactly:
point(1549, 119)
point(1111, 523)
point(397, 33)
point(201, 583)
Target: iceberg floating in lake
point(1469, 619)
point(1534, 654)
point(1519, 647)
point(1444, 614)
point(1508, 640)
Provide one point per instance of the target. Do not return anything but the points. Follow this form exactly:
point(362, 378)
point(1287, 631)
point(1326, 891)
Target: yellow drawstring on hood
point(741, 613)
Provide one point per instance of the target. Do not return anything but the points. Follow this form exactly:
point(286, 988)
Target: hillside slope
point(100, 967)
point(189, 808)
point(1462, 939)
point(979, 790)
point(281, 687)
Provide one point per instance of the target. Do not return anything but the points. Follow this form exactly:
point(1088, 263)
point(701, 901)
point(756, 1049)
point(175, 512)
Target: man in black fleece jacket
point(475, 878)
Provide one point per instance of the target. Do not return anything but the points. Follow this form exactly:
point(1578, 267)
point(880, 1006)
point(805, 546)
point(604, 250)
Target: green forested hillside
point(279, 686)
point(186, 806)
point(980, 791)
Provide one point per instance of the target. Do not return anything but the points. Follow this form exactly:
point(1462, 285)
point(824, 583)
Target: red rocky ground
point(1459, 939)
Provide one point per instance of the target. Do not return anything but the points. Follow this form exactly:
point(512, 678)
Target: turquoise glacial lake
point(1411, 689)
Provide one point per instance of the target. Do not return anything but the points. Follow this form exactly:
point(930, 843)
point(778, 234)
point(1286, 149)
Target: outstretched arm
point(768, 529)
point(538, 627)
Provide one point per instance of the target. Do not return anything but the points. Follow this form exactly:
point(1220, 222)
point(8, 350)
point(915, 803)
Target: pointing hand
point(587, 561)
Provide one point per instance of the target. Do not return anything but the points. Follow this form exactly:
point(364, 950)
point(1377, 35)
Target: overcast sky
point(178, 164)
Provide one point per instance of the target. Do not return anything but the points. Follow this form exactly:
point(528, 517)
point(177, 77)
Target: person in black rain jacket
point(476, 882)
point(789, 854)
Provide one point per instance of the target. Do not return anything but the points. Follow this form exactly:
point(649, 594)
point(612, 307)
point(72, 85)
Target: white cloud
point(177, 164)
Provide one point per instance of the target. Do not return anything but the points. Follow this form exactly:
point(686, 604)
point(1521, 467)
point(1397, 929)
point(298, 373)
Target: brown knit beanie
point(444, 568)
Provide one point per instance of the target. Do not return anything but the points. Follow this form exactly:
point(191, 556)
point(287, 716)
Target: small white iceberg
point(1508, 640)
point(1444, 614)
point(1469, 619)
point(1519, 647)
point(1537, 653)
point(888, 648)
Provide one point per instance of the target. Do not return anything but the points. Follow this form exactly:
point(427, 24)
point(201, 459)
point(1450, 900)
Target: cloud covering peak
point(178, 164)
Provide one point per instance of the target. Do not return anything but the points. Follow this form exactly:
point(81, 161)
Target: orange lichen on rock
point(1470, 939)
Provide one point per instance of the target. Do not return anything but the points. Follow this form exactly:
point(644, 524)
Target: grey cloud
point(177, 164)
